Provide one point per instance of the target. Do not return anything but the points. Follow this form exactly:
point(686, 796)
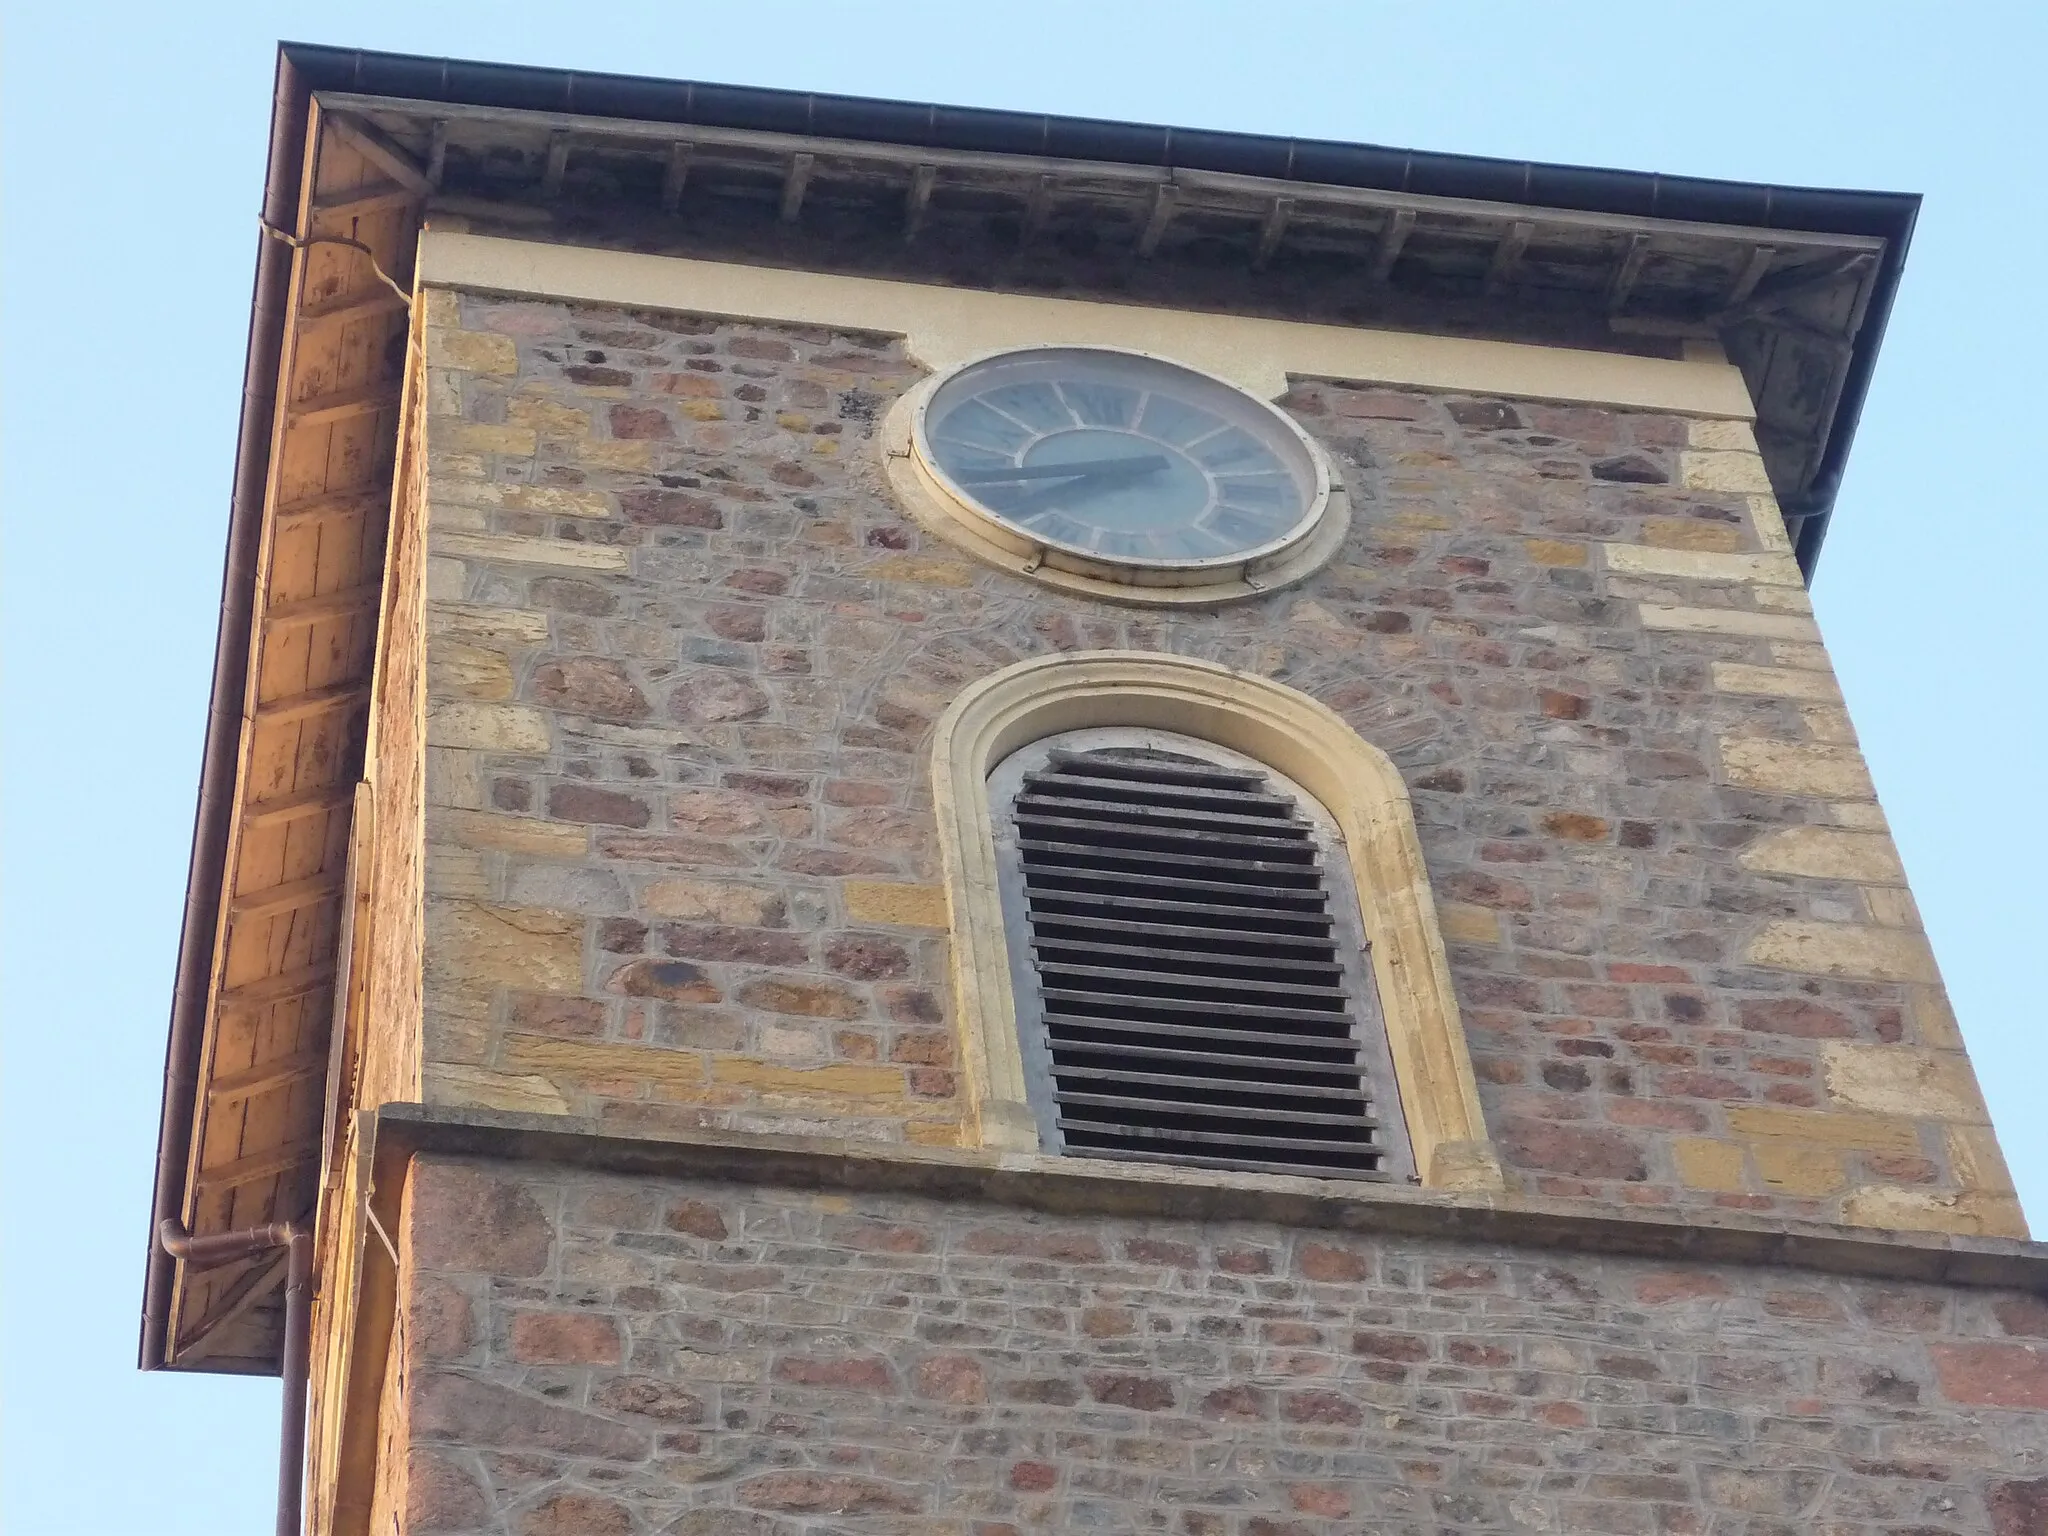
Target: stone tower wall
point(685, 653)
point(604, 1355)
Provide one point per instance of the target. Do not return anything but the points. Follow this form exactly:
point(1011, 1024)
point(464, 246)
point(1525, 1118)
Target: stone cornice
point(1078, 1187)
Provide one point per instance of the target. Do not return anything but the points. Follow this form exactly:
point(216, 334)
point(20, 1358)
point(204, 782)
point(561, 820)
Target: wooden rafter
point(557, 165)
point(1272, 231)
point(674, 175)
point(1400, 223)
point(1157, 217)
point(794, 184)
point(1626, 272)
point(919, 198)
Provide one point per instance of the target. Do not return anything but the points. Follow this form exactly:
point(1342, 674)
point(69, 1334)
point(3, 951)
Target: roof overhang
point(1795, 284)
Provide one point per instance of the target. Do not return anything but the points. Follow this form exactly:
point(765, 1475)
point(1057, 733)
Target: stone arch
point(1280, 726)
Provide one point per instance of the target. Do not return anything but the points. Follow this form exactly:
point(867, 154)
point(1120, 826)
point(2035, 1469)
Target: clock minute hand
point(1134, 464)
point(1072, 488)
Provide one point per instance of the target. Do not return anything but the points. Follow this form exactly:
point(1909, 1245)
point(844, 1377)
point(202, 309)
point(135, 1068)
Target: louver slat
point(1194, 1003)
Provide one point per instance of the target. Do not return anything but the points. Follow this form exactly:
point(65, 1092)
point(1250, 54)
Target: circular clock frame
point(1280, 556)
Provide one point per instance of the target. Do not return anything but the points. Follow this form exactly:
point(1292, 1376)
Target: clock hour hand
point(1064, 493)
point(1135, 464)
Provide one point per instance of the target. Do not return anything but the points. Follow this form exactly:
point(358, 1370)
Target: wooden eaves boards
point(255, 1151)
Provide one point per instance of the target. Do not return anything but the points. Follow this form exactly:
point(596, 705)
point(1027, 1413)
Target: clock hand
point(1076, 486)
point(1132, 465)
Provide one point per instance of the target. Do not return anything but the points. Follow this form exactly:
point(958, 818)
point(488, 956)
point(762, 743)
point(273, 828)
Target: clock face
point(1121, 458)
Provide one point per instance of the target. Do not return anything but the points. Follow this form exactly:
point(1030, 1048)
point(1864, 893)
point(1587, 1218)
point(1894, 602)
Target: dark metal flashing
point(1072, 1186)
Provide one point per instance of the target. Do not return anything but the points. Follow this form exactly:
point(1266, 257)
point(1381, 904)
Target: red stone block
point(1680, 1285)
point(1129, 1390)
point(1321, 1261)
point(871, 1372)
point(810, 1493)
point(1993, 1375)
point(564, 1338)
point(951, 1379)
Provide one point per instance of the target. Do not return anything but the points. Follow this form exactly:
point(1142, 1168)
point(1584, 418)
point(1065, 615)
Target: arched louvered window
point(1189, 962)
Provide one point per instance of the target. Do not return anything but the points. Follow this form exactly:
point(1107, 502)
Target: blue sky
point(131, 157)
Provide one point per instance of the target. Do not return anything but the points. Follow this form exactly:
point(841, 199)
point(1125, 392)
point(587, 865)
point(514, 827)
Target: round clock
point(1120, 462)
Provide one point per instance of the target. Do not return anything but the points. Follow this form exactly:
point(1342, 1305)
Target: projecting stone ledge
point(1076, 1186)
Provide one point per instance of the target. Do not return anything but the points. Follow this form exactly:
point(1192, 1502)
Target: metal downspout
point(225, 1248)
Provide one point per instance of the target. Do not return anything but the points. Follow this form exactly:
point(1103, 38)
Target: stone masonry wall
point(613, 1356)
point(685, 654)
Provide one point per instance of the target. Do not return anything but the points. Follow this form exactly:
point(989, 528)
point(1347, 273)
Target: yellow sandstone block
point(516, 549)
point(551, 500)
point(1775, 682)
point(590, 1065)
point(708, 901)
point(1420, 522)
point(1700, 565)
point(1795, 768)
point(1784, 599)
point(1826, 853)
point(1728, 621)
point(471, 351)
point(459, 873)
point(1977, 1162)
point(1935, 1020)
point(1691, 533)
point(1555, 552)
point(924, 571)
point(549, 418)
point(499, 832)
point(478, 437)
point(1722, 436)
point(633, 453)
point(440, 308)
point(1891, 906)
point(469, 672)
point(1971, 1213)
point(934, 1133)
point(1712, 470)
point(444, 392)
point(481, 1088)
point(1900, 1080)
point(486, 625)
point(1704, 1164)
point(1812, 657)
point(854, 1082)
point(1843, 949)
point(488, 727)
point(453, 777)
point(1828, 722)
point(1794, 1168)
point(470, 943)
point(901, 906)
point(1464, 924)
point(1769, 522)
point(1827, 1128)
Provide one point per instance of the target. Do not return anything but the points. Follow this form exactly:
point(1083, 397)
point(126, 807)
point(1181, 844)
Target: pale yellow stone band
point(946, 326)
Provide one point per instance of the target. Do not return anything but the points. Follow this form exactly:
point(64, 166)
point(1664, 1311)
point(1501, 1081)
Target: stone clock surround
point(948, 329)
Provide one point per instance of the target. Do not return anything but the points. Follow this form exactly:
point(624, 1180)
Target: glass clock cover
point(1122, 458)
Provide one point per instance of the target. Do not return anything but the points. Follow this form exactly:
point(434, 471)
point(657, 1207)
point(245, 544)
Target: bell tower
point(933, 820)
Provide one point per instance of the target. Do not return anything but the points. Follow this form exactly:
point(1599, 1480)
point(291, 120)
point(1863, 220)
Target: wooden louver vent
point(1194, 1004)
